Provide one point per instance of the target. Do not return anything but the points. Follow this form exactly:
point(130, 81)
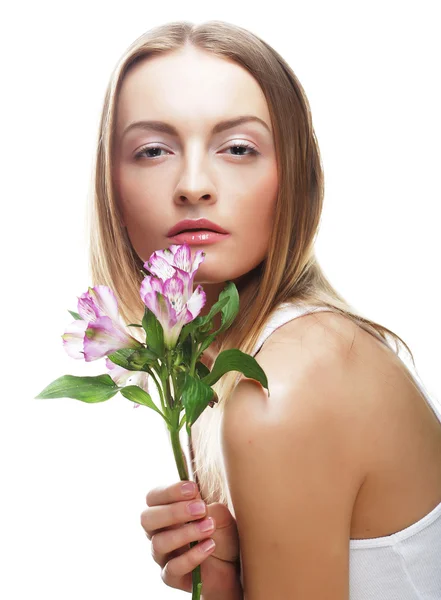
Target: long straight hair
point(290, 271)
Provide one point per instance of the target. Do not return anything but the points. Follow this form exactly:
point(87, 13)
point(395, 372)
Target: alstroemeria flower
point(175, 259)
point(178, 256)
point(124, 377)
point(170, 304)
point(101, 330)
point(168, 292)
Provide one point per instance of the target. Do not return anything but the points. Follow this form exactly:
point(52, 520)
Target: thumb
point(225, 534)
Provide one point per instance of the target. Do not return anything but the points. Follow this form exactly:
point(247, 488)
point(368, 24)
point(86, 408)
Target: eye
point(145, 149)
point(245, 145)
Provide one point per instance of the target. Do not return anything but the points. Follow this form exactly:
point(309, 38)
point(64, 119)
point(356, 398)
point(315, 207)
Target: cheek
point(257, 207)
point(136, 188)
point(141, 214)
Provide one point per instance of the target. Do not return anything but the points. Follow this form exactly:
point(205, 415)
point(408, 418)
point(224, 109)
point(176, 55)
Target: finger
point(159, 518)
point(171, 493)
point(179, 567)
point(226, 534)
point(166, 542)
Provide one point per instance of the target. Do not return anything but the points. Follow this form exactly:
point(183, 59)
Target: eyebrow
point(163, 127)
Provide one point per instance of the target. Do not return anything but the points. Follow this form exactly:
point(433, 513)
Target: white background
point(74, 476)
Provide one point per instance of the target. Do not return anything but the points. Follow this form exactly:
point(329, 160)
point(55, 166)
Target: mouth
point(196, 226)
point(198, 229)
point(198, 236)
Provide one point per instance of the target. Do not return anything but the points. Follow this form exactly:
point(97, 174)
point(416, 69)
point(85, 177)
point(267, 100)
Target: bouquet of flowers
point(176, 337)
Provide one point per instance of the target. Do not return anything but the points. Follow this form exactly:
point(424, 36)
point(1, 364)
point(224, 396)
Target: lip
point(199, 238)
point(188, 224)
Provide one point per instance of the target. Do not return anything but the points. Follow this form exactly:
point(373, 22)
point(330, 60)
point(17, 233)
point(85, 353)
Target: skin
point(196, 174)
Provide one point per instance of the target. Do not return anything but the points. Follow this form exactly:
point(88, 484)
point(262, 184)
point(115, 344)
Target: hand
point(171, 528)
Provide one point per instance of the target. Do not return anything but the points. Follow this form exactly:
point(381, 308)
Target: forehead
point(192, 87)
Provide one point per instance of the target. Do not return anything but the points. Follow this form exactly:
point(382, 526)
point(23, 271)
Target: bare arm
point(294, 468)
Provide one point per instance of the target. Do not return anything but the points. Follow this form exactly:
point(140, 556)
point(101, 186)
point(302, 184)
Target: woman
point(333, 484)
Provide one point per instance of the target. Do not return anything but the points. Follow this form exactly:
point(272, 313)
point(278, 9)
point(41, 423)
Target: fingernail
point(206, 524)
point(197, 508)
point(188, 489)
point(207, 545)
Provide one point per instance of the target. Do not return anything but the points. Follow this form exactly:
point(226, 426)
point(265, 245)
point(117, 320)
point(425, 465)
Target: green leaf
point(189, 328)
point(134, 325)
point(203, 331)
point(230, 310)
point(218, 306)
point(236, 360)
point(181, 422)
point(186, 348)
point(121, 358)
point(75, 315)
point(196, 396)
point(202, 324)
point(208, 326)
point(86, 389)
point(207, 342)
point(201, 369)
point(154, 332)
point(163, 371)
point(139, 396)
point(229, 305)
point(180, 381)
point(141, 359)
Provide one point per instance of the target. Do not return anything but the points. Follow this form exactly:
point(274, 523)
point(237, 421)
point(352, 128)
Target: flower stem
point(194, 355)
point(159, 388)
point(181, 464)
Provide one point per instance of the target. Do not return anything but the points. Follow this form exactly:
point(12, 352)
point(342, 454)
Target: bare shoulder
point(323, 333)
point(294, 461)
point(324, 369)
point(338, 352)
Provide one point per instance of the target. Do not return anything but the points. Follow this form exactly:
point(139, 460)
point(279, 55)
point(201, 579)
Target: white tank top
point(405, 565)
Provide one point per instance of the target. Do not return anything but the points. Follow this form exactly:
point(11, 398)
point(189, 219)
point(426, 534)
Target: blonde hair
point(290, 271)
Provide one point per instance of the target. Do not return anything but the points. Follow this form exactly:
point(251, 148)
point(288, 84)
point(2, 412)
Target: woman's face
point(162, 177)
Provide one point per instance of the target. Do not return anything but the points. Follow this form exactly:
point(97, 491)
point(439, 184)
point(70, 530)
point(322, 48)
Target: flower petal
point(174, 291)
point(150, 285)
point(187, 280)
point(167, 254)
point(102, 337)
point(151, 292)
point(172, 335)
point(182, 257)
point(196, 302)
point(87, 308)
point(73, 338)
point(139, 378)
point(105, 300)
point(117, 373)
point(198, 258)
point(159, 266)
point(123, 377)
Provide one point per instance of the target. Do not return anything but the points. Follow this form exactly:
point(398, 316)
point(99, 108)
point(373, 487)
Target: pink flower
point(101, 330)
point(123, 377)
point(168, 292)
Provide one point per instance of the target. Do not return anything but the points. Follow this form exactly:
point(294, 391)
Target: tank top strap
point(283, 313)
point(287, 311)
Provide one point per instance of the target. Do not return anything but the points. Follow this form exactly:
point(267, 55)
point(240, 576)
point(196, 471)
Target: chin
point(219, 274)
point(210, 278)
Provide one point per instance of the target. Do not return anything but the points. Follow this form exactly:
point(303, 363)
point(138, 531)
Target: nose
point(193, 198)
point(195, 185)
